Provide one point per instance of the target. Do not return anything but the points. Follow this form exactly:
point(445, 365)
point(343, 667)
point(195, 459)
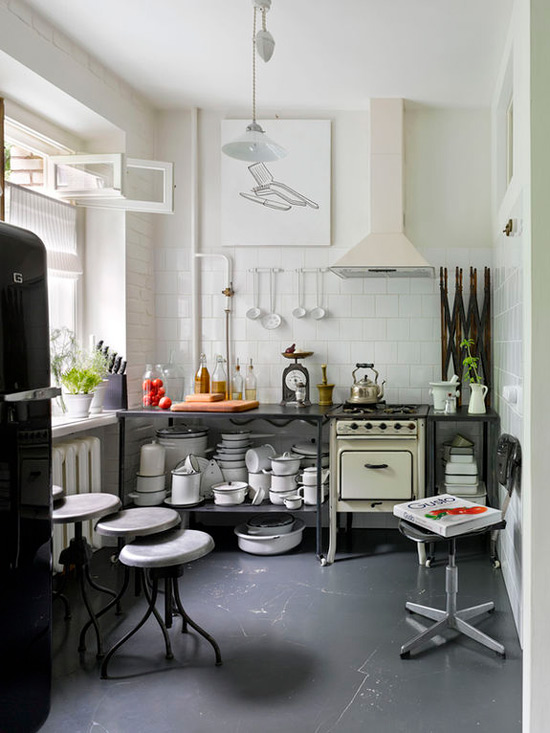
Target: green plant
point(470, 362)
point(77, 370)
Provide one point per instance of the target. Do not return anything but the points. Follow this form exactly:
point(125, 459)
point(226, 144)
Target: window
point(55, 222)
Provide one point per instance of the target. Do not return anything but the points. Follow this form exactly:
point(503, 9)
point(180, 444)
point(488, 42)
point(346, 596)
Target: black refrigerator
point(25, 483)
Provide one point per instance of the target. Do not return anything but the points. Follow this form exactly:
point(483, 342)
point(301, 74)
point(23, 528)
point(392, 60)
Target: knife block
point(116, 395)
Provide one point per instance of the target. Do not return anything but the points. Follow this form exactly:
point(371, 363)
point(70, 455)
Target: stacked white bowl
point(151, 479)
point(230, 455)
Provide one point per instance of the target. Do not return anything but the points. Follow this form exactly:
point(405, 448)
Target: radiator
point(76, 467)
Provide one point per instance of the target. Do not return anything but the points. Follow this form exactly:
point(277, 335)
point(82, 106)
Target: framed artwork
point(285, 202)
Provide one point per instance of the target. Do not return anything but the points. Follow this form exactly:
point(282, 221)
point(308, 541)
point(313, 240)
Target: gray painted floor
point(305, 648)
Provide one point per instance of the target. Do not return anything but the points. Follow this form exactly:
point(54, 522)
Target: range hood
point(386, 251)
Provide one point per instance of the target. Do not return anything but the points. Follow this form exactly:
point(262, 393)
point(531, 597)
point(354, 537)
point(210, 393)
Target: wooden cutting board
point(205, 397)
point(221, 406)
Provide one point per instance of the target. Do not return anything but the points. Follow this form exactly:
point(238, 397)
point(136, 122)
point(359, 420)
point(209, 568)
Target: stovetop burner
point(381, 408)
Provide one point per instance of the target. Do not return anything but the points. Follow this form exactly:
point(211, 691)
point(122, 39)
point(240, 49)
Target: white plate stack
point(230, 455)
point(461, 472)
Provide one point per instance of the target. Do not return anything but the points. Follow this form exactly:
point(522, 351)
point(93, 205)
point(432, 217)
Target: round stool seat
point(79, 507)
point(57, 492)
point(139, 522)
point(161, 551)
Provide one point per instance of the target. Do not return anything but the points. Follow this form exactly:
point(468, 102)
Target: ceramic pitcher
point(476, 406)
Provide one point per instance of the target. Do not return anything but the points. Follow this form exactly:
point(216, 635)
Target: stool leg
point(115, 601)
point(192, 623)
point(97, 586)
point(473, 611)
point(419, 640)
point(91, 614)
point(156, 614)
point(150, 610)
point(434, 613)
point(58, 594)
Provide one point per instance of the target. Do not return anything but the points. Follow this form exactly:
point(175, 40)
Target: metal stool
point(77, 508)
point(450, 618)
point(58, 493)
point(128, 524)
point(164, 557)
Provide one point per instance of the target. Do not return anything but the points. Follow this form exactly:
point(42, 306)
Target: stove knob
point(383, 426)
point(397, 426)
point(353, 426)
point(368, 426)
point(411, 426)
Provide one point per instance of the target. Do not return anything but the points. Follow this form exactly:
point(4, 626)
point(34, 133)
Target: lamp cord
point(254, 67)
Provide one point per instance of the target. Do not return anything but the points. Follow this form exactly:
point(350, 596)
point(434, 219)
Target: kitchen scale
point(296, 380)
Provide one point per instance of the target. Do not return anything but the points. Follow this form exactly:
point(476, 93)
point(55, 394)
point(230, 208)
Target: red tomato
point(147, 384)
point(161, 391)
point(146, 401)
point(157, 383)
point(165, 402)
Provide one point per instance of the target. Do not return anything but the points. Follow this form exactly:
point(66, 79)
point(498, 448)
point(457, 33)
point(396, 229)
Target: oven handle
point(376, 465)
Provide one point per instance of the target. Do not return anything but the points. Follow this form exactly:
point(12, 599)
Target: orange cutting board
point(221, 406)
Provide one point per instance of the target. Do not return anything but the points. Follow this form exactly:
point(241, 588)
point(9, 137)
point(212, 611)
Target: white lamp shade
point(265, 45)
point(254, 146)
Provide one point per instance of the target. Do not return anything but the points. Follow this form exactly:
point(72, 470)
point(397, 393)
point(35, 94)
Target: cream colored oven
point(375, 463)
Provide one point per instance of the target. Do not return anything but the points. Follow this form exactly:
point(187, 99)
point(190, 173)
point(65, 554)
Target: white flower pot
point(78, 405)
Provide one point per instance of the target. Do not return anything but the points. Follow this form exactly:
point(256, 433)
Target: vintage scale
point(296, 380)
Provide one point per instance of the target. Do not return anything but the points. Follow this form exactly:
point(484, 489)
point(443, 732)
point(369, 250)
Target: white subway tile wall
point(509, 371)
point(394, 323)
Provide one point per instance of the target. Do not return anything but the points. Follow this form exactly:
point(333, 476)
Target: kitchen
point(402, 326)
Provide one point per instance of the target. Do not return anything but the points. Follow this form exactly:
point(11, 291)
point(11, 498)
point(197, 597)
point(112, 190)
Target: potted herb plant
point(78, 371)
point(478, 391)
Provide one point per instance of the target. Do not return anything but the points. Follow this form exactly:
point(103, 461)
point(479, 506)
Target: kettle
point(365, 391)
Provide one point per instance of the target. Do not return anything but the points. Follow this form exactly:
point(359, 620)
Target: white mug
point(309, 493)
point(258, 458)
point(293, 502)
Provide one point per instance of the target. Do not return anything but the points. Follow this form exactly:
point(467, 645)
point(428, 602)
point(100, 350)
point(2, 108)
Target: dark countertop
point(313, 413)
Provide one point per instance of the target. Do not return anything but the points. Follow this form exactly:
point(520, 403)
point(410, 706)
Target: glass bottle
point(250, 383)
point(237, 383)
point(202, 377)
point(219, 377)
point(149, 387)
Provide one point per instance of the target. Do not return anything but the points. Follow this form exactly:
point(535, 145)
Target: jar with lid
point(149, 386)
point(219, 377)
point(237, 383)
point(173, 380)
point(202, 377)
point(250, 383)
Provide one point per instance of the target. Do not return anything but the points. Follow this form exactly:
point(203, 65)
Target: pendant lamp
point(254, 146)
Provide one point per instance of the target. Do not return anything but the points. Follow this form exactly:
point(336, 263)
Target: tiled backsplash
point(394, 323)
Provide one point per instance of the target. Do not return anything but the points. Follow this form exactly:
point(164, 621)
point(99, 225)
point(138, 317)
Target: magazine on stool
point(447, 515)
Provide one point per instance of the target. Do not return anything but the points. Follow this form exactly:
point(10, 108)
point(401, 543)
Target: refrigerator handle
point(32, 395)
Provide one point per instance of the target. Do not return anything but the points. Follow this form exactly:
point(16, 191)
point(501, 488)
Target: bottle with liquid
point(237, 383)
point(219, 377)
point(202, 377)
point(250, 383)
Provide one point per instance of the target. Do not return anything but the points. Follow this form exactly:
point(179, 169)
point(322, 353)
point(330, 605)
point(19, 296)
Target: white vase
point(476, 405)
point(78, 405)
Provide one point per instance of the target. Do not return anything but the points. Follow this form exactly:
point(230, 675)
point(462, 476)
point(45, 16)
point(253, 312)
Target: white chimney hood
point(386, 251)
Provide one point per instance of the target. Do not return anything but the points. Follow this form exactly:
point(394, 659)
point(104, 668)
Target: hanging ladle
point(300, 311)
point(318, 312)
point(272, 319)
point(255, 311)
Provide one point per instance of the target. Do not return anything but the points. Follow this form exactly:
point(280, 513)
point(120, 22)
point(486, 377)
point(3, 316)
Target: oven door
point(381, 474)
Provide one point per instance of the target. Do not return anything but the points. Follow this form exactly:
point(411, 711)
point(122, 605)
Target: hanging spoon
point(318, 312)
point(255, 311)
point(300, 311)
point(271, 320)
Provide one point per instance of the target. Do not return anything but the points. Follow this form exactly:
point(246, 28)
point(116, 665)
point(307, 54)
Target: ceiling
point(330, 54)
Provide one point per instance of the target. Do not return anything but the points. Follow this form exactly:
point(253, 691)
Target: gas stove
point(379, 410)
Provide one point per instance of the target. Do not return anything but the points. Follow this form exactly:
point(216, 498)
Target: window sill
point(63, 425)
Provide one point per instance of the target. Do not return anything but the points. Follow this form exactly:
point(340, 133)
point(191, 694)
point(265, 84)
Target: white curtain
point(53, 221)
